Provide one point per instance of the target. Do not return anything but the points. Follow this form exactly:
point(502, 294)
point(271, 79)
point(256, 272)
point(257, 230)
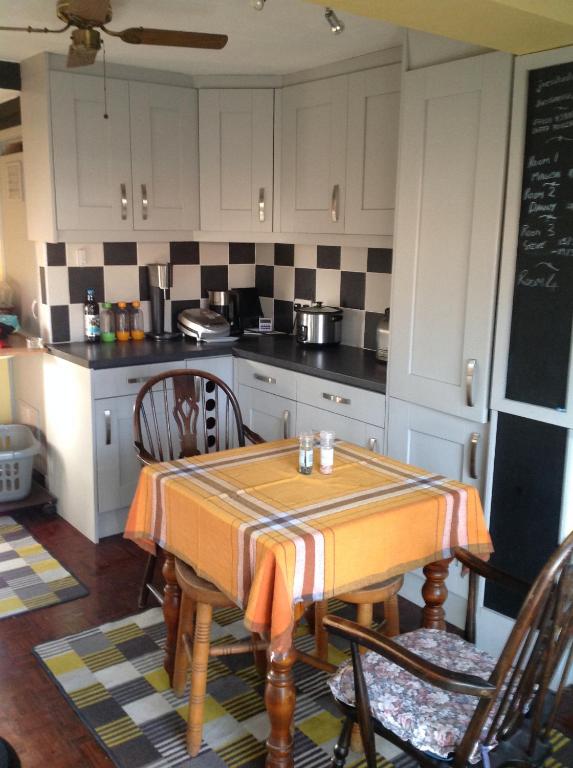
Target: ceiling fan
point(89, 16)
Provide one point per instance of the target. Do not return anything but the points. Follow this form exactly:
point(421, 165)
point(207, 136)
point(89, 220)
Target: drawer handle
point(261, 204)
point(138, 379)
point(286, 419)
point(373, 444)
point(336, 399)
point(144, 203)
point(266, 379)
point(334, 203)
point(107, 421)
point(471, 368)
point(123, 190)
point(474, 440)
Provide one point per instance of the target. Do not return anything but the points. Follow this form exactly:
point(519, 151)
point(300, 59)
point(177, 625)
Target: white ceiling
point(287, 36)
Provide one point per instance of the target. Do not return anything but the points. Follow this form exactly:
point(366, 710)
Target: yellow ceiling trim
point(515, 26)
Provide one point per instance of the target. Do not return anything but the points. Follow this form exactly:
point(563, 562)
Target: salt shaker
point(305, 452)
point(326, 451)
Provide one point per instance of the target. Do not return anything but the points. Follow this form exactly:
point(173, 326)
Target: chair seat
point(199, 589)
point(431, 719)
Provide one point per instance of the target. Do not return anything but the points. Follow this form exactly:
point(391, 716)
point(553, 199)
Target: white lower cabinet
point(270, 416)
point(309, 418)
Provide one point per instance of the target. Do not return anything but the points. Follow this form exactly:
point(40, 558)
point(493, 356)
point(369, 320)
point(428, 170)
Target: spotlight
point(258, 5)
point(336, 25)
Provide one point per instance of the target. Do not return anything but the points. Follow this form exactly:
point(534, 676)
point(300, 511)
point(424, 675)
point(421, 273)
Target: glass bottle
point(122, 322)
point(326, 451)
point(305, 452)
point(136, 321)
point(107, 322)
point(91, 317)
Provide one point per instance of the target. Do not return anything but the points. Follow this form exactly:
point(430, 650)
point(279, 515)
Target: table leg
point(435, 593)
point(280, 701)
point(171, 600)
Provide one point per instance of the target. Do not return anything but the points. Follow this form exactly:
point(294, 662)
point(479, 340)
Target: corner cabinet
point(452, 160)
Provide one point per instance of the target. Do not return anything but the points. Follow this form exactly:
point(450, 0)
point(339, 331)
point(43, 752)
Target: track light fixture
point(258, 5)
point(336, 25)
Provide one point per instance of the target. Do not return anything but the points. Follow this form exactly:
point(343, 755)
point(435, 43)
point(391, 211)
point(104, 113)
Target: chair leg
point(181, 666)
point(364, 616)
point(392, 616)
point(147, 579)
point(199, 677)
point(341, 746)
point(260, 657)
point(320, 635)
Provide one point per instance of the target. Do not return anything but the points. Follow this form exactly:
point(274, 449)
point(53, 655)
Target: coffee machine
point(160, 280)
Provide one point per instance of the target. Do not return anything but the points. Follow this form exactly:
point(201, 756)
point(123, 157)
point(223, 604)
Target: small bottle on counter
point(305, 452)
point(136, 321)
point(91, 317)
point(107, 322)
point(326, 451)
point(122, 322)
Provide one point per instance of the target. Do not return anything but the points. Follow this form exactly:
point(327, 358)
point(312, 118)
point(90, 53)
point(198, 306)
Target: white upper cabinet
point(164, 156)
point(236, 150)
point(453, 140)
point(313, 165)
point(373, 118)
point(92, 165)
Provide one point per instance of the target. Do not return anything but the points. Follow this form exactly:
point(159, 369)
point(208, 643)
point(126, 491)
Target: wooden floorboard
point(34, 717)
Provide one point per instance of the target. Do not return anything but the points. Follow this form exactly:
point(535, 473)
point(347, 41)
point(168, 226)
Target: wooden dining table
point(275, 540)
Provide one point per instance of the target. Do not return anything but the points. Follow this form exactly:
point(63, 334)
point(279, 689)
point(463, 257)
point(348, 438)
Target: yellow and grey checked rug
point(30, 577)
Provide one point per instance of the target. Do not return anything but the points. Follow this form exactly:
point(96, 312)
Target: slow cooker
point(317, 324)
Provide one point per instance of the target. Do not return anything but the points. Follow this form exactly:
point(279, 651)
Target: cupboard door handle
point(144, 203)
point(471, 367)
point(138, 379)
point(266, 379)
point(336, 399)
point(286, 419)
point(107, 421)
point(261, 204)
point(474, 440)
point(123, 190)
point(373, 444)
point(334, 203)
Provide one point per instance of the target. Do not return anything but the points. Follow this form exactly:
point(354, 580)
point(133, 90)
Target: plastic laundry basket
point(18, 446)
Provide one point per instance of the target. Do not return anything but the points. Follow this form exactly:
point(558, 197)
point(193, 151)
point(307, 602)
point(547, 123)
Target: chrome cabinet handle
point(261, 204)
point(334, 203)
point(373, 444)
point(336, 399)
point(474, 440)
point(266, 379)
point(286, 419)
point(123, 190)
point(107, 420)
point(138, 379)
point(144, 203)
point(471, 367)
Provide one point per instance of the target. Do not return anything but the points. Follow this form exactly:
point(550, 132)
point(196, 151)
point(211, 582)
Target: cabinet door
point(92, 164)
point(309, 418)
point(453, 139)
point(236, 151)
point(117, 466)
point(313, 167)
point(164, 129)
point(270, 416)
point(373, 113)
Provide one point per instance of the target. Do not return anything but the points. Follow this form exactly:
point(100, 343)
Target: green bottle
point(107, 322)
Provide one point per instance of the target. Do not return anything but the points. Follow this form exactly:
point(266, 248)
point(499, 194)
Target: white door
point(270, 416)
point(313, 166)
point(164, 137)
point(92, 163)
point(453, 140)
point(373, 117)
point(311, 419)
point(236, 152)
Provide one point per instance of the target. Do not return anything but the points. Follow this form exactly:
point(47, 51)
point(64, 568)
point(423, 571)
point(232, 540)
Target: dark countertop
point(346, 365)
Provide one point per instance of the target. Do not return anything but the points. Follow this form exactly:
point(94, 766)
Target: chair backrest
point(185, 412)
point(537, 654)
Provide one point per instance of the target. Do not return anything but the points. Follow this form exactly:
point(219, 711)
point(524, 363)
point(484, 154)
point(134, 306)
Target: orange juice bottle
point(122, 322)
point(136, 321)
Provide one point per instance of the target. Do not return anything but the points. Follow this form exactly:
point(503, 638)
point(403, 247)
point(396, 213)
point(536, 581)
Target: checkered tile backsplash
point(358, 279)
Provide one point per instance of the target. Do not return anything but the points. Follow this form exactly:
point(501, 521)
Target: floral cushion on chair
point(431, 719)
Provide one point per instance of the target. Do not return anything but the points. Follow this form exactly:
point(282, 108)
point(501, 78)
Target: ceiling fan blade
point(95, 11)
point(79, 56)
point(147, 36)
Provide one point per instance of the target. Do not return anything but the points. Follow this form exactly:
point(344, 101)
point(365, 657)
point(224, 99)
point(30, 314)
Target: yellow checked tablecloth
point(270, 537)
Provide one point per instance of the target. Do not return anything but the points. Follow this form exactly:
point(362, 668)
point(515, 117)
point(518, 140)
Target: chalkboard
point(540, 339)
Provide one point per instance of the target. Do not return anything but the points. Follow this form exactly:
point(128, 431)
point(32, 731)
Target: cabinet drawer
point(277, 381)
point(355, 403)
point(115, 382)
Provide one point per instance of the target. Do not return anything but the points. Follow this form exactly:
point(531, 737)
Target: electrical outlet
point(81, 257)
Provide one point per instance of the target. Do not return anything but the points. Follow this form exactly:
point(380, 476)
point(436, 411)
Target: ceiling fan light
point(336, 25)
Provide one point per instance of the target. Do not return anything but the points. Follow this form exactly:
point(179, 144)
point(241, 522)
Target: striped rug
point(114, 679)
point(30, 577)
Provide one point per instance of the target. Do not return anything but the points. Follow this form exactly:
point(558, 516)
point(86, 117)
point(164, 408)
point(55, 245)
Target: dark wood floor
point(34, 717)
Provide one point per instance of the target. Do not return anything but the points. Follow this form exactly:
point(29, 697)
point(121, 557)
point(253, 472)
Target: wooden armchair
point(437, 697)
